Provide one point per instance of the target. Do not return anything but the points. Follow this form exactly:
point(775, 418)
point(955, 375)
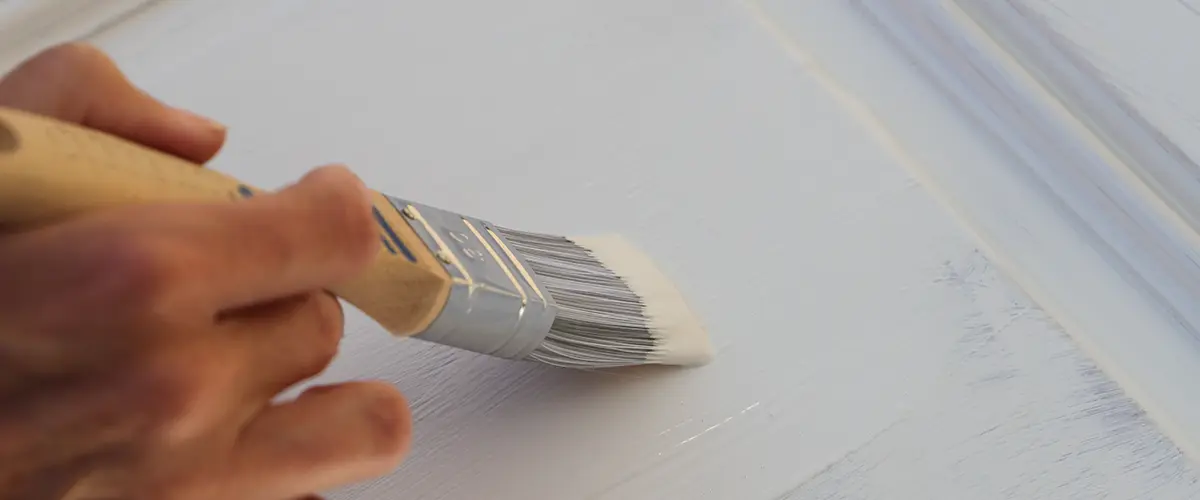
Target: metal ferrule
point(496, 306)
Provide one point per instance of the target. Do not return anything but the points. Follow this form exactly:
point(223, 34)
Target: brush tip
point(680, 337)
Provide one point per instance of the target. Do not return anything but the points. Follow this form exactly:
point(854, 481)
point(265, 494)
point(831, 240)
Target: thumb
point(78, 83)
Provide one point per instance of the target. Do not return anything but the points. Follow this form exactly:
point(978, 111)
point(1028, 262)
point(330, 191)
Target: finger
point(328, 437)
point(193, 261)
point(60, 422)
point(78, 83)
point(73, 266)
point(310, 236)
point(286, 341)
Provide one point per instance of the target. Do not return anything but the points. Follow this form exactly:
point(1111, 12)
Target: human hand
point(142, 348)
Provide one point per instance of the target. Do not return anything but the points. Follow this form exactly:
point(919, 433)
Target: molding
point(1062, 184)
point(1116, 264)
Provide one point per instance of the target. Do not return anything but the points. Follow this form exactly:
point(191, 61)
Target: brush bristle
point(615, 307)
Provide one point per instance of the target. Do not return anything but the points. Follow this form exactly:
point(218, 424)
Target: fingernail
point(201, 121)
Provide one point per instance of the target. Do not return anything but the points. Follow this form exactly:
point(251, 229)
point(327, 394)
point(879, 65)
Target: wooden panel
point(833, 211)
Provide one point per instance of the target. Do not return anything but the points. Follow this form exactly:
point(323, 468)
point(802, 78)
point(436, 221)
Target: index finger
point(309, 236)
point(78, 83)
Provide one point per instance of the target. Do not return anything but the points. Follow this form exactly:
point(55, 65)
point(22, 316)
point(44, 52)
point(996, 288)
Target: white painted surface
point(1096, 247)
point(27, 25)
point(866, 348)
point(1144, 49)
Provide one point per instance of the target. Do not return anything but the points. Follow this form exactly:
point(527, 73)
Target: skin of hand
point(142, 349)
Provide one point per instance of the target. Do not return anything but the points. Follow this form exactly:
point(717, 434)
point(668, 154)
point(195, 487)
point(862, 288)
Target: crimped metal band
point(496, 306)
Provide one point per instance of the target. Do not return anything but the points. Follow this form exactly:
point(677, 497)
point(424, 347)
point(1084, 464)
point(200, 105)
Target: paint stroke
point(997, 430)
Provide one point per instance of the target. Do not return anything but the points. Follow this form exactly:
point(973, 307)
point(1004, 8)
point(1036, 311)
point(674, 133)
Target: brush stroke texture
point(1085, 241)
point(1119, 182)
point(837, 219)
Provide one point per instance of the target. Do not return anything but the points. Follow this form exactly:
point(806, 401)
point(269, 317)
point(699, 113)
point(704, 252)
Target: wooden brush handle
point(50, 169)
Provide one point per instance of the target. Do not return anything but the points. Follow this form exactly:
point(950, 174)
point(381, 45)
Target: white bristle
point(615, 307)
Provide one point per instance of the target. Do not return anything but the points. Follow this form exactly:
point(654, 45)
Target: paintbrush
point(594, 302)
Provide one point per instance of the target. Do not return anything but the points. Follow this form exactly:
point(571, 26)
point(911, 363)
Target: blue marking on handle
point(392, 236)
point(391, 242)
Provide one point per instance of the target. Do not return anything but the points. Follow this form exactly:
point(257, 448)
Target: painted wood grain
point(1149, 176)
point(836, 207)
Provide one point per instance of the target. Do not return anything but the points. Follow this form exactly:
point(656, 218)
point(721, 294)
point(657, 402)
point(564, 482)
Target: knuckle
point(71, 58)
point(352, 217)
point(173, 393)
point(170, 395)
point(136, 271)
